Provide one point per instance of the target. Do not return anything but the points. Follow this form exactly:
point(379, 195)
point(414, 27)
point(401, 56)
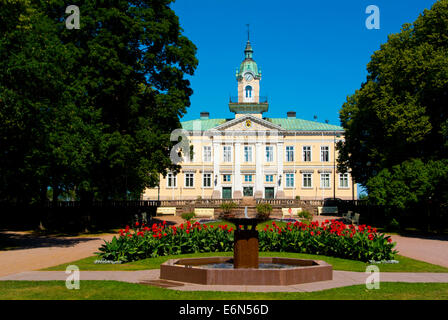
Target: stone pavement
point(151, 277)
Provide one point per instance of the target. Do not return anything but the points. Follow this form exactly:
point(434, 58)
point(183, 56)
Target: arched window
point(248, 92)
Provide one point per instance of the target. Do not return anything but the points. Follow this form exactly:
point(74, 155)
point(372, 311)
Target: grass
point(113, 290)
point(405, 265)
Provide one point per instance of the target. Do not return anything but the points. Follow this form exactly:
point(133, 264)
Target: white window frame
point(227, 153)
point(247, 153)
point(248, 176)
point(322, 186)
point(323, 150)
point(207, 154)
point(187, 176)
point(171, 177)
point(306, 149)
point(203, 179)
point(310, 179)
point(288, 177)
point(347, 178)
point(271, 178)
point(227, 175)
point(269, 153)
point(289, 153)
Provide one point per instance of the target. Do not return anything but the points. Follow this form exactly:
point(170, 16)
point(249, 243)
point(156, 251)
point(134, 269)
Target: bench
point(204, 212)
point(165, 211)
point(355, 219)
point(327, 210)
point(294, 212)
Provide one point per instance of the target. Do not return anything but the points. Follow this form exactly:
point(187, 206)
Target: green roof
point(303, 125)
point(201, 124)
point(285, 123)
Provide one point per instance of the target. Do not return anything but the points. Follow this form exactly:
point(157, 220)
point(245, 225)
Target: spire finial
point(248, 32)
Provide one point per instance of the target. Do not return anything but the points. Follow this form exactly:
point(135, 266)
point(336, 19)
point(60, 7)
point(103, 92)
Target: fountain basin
point(293, 271)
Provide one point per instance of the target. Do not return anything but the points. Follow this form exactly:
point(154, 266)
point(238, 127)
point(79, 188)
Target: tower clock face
point(248, 76)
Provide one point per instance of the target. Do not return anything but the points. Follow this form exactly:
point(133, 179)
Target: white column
point(216, 173)
point(259, 171)
point(238, 192)
point(280, 158)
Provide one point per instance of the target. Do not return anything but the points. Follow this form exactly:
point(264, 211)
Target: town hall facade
point(256, 156)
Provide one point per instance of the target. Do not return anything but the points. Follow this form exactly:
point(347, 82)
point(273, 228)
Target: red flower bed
point(332, 238)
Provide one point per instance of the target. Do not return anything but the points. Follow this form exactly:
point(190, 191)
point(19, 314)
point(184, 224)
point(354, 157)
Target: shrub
point(264, 210)
point(187, 216)
point(305, 215)
point(297, 197)
point(227, 207)
point(331, 238)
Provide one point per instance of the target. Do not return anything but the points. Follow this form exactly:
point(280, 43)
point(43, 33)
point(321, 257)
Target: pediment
point(248, 123)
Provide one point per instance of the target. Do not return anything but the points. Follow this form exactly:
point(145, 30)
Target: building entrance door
point(227, 193)
point(269, 193)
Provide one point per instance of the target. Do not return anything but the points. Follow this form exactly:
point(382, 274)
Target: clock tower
point(248, 76)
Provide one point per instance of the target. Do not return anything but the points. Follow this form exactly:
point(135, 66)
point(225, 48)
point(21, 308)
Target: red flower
point(370, 236)
point(389, 240)
point(230, 230)
point(312, 233)
point(137, 224)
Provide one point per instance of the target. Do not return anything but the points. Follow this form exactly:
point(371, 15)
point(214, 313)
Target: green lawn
point(405, 265)
point(113, 290)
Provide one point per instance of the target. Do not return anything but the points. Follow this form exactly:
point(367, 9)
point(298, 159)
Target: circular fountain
point(246, 267)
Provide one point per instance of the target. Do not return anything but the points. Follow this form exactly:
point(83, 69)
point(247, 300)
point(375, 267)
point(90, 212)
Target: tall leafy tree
point(400, 112)
point(122, 81)
point(396, 123)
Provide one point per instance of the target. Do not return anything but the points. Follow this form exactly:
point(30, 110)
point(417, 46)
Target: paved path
point(433, 251)
point(340, 279)
point(45, 252)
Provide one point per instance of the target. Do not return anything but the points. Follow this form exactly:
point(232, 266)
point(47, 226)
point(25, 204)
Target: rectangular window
point(247, 178)
point(227, 154)
point(290, 180)
point(207, 154)
point(269, 153)
point(306, 153)
point(207, 180)
point(343, 180)
point(171, 180)
point(325, 180)
point(325, 153)
point(247, 154)
point(226, 178)
point(307, 183)
point(269, 178)
point(289, 153)
point(189, 180)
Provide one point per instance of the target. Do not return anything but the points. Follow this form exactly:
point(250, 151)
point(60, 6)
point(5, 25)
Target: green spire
point(248, 51)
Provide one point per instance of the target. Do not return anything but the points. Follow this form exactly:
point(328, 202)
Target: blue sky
point(313, 54)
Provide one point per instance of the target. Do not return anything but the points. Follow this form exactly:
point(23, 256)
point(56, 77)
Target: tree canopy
point(396, 124)
point(89, 109)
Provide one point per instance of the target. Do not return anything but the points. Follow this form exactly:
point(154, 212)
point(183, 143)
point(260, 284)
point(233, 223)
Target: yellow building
point(256, 156)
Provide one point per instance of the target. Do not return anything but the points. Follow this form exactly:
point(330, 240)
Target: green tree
point(91, 109)
point(400, 112)
point(39, 131)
